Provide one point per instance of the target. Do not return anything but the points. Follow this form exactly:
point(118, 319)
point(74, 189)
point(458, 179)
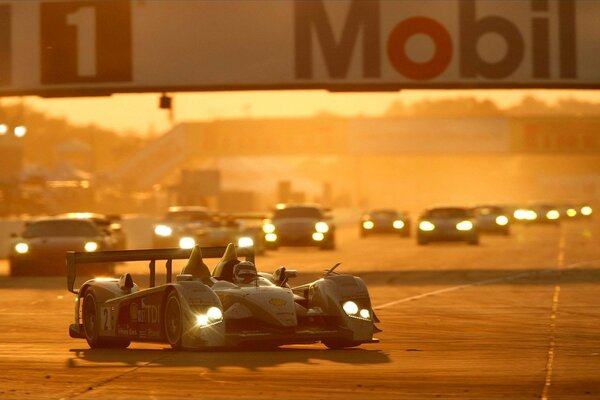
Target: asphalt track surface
point(513, 318)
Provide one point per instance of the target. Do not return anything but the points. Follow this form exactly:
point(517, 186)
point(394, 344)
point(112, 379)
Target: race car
point(299, 225)
point(447, 224)
point(180, 225)
point(492, 219)
point(233, 306)
point(40, 249)
point(110, 224)
point(539, 213)
point(385, 221)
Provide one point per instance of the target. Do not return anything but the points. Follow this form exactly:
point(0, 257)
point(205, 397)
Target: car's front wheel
point(91, 326)
point(173, 321)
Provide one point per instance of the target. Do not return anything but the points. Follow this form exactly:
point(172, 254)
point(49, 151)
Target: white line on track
point(484, 282)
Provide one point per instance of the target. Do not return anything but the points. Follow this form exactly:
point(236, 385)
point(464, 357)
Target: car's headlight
point(245, 242)
point(163, 230)
point(318, 236)
point(520, 214)
point(530, 215)
point(586, 210)
point(364, 313)
point(426, 226)
point(501, 220)
point(90, 246)
point(571, 212)
point(213, 315)
point(268, 228)
point(321, 227)
point(187, 242)
point(552, 214)
point(271, 237)
point(22, 248)
point(398, 224)
point(368, 225)
point(464, 226)
point(350, 308)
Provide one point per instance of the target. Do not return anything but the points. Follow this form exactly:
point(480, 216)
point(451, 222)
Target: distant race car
point(233, 306)
point(448, 224)
point(492, 219)
point(41, 248)
point(185, 227)
point(539, 213)
point(110, 224)
point(299, 225)
point(385, 221)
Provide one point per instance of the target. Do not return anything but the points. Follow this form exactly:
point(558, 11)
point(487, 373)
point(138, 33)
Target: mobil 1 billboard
point(94, 47)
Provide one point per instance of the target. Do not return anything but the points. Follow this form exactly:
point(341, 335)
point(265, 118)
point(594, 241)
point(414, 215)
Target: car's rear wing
point(75, 258)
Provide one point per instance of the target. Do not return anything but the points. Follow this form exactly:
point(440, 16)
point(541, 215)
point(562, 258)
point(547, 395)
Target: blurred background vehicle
point(300, 225)
point(543, 213)
point(492, 219)
point(181, 224)
point(40, 249)
point(447, 224)
point(111, 224)
point(385, 221)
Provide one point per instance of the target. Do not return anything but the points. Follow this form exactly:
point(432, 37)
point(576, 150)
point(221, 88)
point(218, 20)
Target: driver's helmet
point(244, 272)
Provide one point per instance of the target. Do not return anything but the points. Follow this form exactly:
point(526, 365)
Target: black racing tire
point(422, 241)
point(173, 320)
point(90, 320)
point(339, 343)
point(474, 241)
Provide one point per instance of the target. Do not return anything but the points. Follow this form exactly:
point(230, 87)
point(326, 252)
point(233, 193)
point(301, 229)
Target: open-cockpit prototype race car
point(233, 306)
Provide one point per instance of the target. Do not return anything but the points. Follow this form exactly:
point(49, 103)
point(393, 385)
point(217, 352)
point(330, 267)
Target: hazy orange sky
point(140, 112)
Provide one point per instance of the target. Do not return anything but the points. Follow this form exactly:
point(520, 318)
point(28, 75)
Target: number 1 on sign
point(84, 20)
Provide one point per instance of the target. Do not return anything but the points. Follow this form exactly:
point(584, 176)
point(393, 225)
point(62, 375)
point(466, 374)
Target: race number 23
point(85, 41)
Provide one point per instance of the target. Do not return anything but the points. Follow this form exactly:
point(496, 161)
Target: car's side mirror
point(281, 275)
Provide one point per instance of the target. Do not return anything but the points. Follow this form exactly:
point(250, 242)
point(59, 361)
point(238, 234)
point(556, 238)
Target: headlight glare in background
point(91, 246)
point(368, 225)
point(398, 224)
point(214, 314)
point(426, 226)
point(464, 226)
point(322, 227)
point(187, 242)
point(271, 237)
point(268, 228)
point(21, 248)
point(501, 220)
point(586, 210)
point(318, 236)
point(552, 214)
point(245, 241)
point(163, 230)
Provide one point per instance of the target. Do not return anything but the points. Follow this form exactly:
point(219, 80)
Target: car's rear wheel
point(339, 343)
point(173, 321)
point(91, 326)
point(17, 268)
point(473, 241)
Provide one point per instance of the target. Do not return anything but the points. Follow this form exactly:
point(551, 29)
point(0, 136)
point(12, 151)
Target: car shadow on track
point(213, 360)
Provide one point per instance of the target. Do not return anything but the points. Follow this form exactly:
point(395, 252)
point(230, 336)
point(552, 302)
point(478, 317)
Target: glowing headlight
point(520, 214)
point(350, 308)
point(163, 230)
point(368, 225)
point(21, 248)
point(364, 313)
point(398, 224)
point(214, 314)
point(271, 237)
point(318, 236)
point(571, 212)
point(321, 227)
point(91, 246)
point(587, 211)
point(552, 214)
point(202, 320)
point(268, 228)
point(426, 226)
point(187, 242)
point(245, 242)
point(530, 215)
point(464, 226)
point(501, 220)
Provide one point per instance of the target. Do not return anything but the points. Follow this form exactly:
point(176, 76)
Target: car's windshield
point(187, 216)
point(61, 228)
point(487, 210)
point(298, 212)
point(448, 213)
point(381, 214)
